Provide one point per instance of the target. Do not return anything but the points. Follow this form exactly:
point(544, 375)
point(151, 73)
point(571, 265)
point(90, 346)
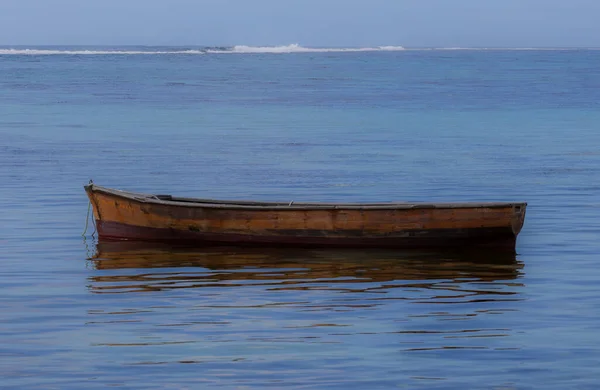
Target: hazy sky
point(439, 23)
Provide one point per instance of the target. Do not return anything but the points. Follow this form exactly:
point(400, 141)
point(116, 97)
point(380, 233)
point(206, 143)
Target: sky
point(324, 23)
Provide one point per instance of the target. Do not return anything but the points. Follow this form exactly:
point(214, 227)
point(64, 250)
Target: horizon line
point(287, 45)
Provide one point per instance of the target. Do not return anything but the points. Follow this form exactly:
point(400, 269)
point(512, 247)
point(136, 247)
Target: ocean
point(294, 123)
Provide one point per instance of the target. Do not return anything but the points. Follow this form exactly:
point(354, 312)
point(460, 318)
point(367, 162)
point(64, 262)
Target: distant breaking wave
point(294, 48)
point(38, 52)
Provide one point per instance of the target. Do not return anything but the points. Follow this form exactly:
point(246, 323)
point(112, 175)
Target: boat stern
point(518, 218)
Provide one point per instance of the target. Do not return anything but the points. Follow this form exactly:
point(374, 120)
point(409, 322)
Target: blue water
point(415, 125)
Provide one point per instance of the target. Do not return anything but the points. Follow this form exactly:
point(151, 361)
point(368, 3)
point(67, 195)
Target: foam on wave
point(295, 48)
point(37, 52)
point(242, 49)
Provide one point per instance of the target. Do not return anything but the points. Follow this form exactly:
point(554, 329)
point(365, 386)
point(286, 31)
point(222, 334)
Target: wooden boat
point(122, 215)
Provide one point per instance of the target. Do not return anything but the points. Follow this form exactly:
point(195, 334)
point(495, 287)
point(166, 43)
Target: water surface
point(376, 126)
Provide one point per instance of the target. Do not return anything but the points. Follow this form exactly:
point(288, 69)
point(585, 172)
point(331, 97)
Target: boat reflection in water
point(191, 267)
point(262, 299)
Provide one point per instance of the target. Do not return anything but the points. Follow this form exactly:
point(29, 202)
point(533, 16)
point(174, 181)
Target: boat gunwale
point(306, 206)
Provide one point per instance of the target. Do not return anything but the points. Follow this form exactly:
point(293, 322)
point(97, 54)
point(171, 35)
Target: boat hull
point(129, 216)
point(483, 237)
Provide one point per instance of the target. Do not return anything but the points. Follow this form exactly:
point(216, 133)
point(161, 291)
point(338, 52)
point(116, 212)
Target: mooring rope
point(95, 228)
point(87, 219)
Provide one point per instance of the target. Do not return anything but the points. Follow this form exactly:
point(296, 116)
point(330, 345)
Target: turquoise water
point(415, 125)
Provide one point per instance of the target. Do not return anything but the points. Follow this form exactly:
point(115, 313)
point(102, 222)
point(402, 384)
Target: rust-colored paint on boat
point(127, 215)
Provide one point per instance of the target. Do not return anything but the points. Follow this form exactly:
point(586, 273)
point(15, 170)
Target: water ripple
point(305, 297)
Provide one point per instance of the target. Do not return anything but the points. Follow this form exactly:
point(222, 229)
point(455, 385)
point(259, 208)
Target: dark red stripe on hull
point(502, 238)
